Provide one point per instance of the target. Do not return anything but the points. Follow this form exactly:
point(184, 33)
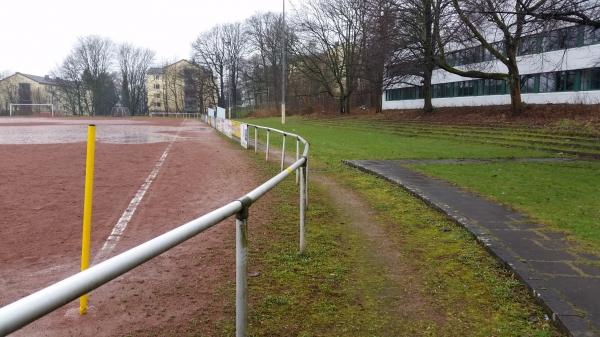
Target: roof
point(40, 79)
point(161, 70)
point(155, 71)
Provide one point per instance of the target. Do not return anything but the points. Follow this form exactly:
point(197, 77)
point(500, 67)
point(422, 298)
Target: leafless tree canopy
point(133, 65)
point(350, 51)
point(330, 42)
point(235, 42)
point(209, 51)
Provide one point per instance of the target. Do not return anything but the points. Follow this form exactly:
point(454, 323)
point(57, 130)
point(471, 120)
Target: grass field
point(562, 195)
point(468, 292)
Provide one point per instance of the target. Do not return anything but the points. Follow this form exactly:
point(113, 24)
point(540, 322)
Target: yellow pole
point(87, 210)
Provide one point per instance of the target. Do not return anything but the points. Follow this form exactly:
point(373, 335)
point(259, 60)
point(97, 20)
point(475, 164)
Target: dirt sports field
point(41, 202)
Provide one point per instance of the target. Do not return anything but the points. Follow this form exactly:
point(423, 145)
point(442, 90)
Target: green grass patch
point(474, 295)
point(331, 144)
point(339, 288)
point(332, 290)
point(564, 195)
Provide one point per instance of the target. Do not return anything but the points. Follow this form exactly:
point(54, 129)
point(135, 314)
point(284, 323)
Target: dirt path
point(403, 290)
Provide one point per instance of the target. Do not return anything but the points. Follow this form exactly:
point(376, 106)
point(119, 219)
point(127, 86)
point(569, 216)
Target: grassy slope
point(336, 290)
point(561, 195)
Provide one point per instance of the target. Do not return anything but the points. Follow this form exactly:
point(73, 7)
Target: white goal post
point(12, 105)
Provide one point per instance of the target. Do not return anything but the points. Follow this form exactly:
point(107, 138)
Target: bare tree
point(498, 26)
point(235, 48)
point(265, 32)
point(209, 52)
point(380, 45)
point(94, 55)
point(417, 46)
point(331, 36)
point(173, 86)
point(134, 63)
point(70, 84)
point(583, 12)
point(9, 93)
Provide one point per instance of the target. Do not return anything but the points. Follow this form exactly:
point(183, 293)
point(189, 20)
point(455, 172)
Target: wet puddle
point(52, 131)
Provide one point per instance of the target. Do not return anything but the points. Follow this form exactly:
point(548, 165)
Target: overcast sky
point(36, 35)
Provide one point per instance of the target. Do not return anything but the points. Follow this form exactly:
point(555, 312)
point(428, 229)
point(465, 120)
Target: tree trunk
point(514, 83)
point(221, 100)
point(348, 104)
point(429, 55)
point(376, 98)
point(427, 94)
point(516, 104)
point(342, 105)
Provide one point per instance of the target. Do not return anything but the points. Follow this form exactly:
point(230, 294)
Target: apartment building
point(175, 87)
point(22, 88)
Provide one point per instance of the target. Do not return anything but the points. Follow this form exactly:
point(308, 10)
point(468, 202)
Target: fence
point(24, 311)
point(174, 114)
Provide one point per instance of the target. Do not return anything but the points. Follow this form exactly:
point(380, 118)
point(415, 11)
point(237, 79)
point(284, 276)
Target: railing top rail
point(304, 141)
point(27, 309)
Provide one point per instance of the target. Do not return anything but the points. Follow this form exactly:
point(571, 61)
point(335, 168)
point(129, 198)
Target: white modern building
point(562, 66)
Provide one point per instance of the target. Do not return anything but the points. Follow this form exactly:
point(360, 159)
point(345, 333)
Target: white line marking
point(119, 228)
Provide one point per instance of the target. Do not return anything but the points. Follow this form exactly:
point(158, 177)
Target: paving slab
point(565, 282)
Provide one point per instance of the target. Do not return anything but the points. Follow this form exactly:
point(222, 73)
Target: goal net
point(31, 110)
point(119, 111)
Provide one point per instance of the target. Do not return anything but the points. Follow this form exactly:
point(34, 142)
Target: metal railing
point(175, 114)
point(26, 310)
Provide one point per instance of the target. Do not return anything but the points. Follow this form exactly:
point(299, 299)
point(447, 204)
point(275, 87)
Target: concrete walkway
point(566, 283)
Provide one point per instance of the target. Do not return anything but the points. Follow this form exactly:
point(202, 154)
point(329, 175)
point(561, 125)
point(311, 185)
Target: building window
point(466, 88)
point(559, 81)
point(561, 38)
point(528, 84)
point(156, 95)
point(438, 91)
point(157, 77)
point(530, 45)
point(590, 79)
point(548, 82)
point(591, 36)
point(566, 80)
point(156, 86)
point(157, 104)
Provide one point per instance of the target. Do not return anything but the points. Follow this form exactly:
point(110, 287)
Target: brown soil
point(534, 115)
point(41, 231)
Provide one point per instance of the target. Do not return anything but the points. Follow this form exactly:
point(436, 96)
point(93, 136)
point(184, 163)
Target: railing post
point(302, 208)
point(241, 270)
point(297, 156)
point(283, 152)
point(306, 182)
point(267, 150)
point(255, 139)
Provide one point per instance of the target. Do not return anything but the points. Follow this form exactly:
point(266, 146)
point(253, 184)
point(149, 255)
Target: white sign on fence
point(221, 112)
point(227, 128)
point(211, 112)
point(244, 135)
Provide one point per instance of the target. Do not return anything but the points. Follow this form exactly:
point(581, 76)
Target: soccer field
point(185, 169)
